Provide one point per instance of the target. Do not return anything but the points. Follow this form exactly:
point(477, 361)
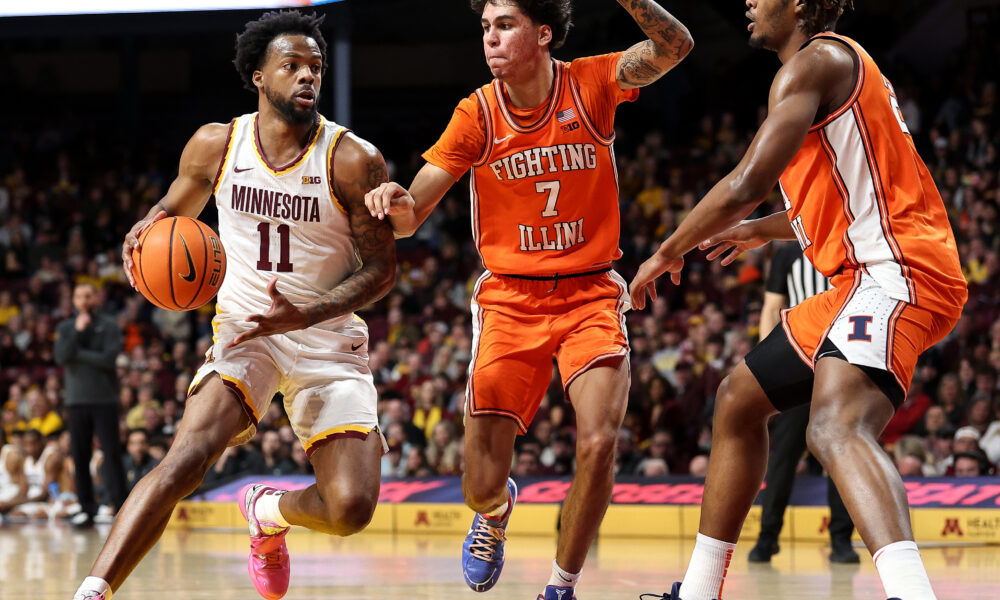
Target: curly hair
point(821, 15)
point(252, 44)
point(557, 14)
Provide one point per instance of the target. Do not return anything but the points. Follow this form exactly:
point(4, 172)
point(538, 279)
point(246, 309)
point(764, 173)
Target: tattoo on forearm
point(374, 242)
point(669, 42)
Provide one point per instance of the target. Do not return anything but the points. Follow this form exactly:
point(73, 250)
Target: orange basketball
point(180, 263)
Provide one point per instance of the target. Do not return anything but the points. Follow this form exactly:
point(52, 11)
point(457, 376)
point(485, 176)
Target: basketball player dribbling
point(865, 210)
point(303, 253)
point(538, 144)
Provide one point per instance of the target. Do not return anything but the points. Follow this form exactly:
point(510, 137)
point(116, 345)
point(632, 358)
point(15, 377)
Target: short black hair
point(557, 14)
point(982, 463)
point(252, 44)
point(822, 15)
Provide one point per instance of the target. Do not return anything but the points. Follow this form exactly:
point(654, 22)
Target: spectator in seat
point(138, 459)
point(274, 454)
point(971, 464)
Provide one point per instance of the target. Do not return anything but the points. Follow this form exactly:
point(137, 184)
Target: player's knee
point(182, 471)
point(597, 448)
point(349, 511)
point(826, 437)
point(727, 403)
point(738, 402)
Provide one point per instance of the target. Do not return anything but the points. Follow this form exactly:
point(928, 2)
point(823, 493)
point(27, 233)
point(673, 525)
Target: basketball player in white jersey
point(13, 484)
point(40, 465)
point(303, 253)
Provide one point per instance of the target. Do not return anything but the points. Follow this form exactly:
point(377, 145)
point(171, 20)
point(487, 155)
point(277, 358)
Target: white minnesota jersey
point(283, 221)
point(34, 471)
point(8, 489)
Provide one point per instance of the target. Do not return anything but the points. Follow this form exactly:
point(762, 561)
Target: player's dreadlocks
point(822, 15)
point(557, 14)
point(251, 45)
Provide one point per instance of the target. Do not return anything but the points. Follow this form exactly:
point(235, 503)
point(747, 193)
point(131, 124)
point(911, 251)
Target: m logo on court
point(952, 526)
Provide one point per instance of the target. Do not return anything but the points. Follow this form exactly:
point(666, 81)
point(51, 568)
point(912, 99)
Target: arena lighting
point(75, 7)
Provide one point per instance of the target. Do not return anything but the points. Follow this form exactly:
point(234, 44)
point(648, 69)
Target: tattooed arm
point(669, 42)
point(358, 167)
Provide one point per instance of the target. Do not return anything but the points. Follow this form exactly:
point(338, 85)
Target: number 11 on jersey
point(284, 262)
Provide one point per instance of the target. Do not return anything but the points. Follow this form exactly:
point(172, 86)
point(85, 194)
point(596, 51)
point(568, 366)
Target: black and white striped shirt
point(793, 276)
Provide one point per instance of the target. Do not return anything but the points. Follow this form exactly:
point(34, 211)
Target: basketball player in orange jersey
point(537, 142)
point(866, 212)
point(303, 253)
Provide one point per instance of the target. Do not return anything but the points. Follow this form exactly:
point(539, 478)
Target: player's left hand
point(644, 281)
point(281, 317)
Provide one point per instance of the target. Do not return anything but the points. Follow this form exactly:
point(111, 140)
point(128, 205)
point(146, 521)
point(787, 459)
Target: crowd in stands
point(63, 222)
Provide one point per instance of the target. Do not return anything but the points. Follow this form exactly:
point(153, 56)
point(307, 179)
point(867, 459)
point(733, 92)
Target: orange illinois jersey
point(544, 194)
point(859, 197)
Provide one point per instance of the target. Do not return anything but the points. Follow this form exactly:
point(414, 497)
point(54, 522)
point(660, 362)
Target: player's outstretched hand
point(644, 281)
point(281, 317)
point(132, 242)
point(736, 240)
point(389, 197)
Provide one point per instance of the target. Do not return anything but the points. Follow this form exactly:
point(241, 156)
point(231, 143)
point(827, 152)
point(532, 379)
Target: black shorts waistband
point(555, 276)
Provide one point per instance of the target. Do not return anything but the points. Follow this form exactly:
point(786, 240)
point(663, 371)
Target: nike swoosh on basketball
point(354, 348)
point(239, 170)
point(503, 139)
point(187, 253)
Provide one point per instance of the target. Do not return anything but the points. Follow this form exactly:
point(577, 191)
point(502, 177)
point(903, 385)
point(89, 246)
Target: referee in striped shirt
point(791, 280)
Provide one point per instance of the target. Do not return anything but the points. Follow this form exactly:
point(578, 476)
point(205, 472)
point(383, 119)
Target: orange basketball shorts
point(868, 326)
point(519, 325)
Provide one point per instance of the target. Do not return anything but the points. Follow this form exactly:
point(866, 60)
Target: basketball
point(179, 264)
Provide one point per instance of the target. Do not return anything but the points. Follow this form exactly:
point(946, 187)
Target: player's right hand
point(132, 242)
point(389, 197)
point(736, 240)
point(644, 281)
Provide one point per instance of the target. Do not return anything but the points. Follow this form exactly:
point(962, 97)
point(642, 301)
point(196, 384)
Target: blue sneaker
point(675, 594)
point(555, 592)
point(482, 552)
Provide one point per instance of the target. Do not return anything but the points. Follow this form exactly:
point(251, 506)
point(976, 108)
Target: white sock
point(561, 578)
point(498, 512)
point(707, 570)
point(902, 572)
point(91, 586)
point(266, 510)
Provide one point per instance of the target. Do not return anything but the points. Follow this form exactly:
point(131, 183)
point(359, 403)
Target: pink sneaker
point(268, 562)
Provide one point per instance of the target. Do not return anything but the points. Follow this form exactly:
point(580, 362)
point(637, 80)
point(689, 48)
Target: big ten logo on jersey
point(311, 179)
point(213, 278)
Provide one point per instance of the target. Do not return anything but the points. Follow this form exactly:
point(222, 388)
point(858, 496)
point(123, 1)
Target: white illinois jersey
point(280, 220)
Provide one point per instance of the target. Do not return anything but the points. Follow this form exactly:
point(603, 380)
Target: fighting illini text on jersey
point(551, 187)
point(891, 223)
point(280, 220)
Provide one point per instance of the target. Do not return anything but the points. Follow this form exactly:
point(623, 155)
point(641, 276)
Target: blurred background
point(96, 109)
